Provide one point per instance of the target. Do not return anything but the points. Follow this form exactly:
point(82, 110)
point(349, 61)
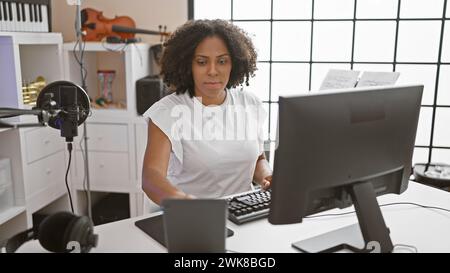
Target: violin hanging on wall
point(97, 27)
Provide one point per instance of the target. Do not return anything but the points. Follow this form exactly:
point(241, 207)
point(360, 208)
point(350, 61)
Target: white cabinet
point(113, 152)
point(44, 180)
point(108, 137)
point(42, 143)
point(37, 155)
point(108, 171)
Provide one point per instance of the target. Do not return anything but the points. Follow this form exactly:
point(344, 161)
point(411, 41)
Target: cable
point(120, 48)
point(69, 148)
point(83, 80)
point(384, 205)
point(139, 53)
point(83, 71)
point(415, 250)
point(80, 60)
point(415, 204)
point(85, 174)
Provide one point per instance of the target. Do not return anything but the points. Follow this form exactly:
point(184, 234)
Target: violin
point(96, 27)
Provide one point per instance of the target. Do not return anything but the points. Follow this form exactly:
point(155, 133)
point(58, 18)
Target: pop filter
point(69, 101)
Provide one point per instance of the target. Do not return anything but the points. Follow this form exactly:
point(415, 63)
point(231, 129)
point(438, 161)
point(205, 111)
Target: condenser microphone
point(69, 105)
point(61, 105)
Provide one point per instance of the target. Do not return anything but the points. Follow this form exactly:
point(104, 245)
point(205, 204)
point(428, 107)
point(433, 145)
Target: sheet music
point(378, 78)
point(337, 78)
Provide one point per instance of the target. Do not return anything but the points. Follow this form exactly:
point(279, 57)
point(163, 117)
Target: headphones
point(60, 232)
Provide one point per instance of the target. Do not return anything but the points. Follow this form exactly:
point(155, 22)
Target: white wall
point(147, 14)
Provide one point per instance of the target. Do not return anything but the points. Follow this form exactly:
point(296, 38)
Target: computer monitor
point(344, 147)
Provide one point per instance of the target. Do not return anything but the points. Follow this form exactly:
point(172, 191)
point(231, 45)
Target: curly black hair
point(179, 49)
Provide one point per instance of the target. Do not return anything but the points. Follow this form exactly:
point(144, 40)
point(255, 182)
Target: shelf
point(10, 213)
point(95, 61)
point(110, 130)
point(129, 63)
point(99, 46)
point(34, 38)
point(25, 56)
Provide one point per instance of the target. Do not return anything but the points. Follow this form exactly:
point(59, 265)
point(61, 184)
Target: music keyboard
point(25, 15)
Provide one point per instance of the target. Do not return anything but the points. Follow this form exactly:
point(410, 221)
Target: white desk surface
point(426, 229)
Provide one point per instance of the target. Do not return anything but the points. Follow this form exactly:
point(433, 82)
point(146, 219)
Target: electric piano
point(25, 15)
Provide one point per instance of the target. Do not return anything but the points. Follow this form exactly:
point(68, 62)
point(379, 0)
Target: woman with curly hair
point(205, 139)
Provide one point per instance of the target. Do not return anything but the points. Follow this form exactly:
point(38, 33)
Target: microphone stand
point(79, 33)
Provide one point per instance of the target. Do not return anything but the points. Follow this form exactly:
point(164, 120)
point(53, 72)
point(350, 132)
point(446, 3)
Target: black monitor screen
point(338, 146)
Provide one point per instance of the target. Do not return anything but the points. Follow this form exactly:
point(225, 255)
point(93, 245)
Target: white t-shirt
point(215, 147)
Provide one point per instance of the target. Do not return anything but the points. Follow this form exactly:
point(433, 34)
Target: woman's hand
point(183, 195)
point(263, 173)
point(266, 183)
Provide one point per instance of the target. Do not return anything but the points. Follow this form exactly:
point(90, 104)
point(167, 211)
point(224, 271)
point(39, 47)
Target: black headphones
point(60, 232)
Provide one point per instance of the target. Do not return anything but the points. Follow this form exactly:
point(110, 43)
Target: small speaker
point(148, 91)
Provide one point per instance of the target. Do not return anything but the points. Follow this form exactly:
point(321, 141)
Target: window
point(299, 41)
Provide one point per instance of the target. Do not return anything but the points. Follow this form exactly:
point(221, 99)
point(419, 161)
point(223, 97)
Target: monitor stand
point(371, 235)
point(347, 238)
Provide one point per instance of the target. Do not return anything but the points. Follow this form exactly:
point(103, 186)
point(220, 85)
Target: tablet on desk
point(190, 222)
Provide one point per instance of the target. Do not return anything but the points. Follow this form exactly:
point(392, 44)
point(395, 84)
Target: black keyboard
point(249, 206)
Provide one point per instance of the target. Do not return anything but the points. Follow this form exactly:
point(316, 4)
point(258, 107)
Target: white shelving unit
point(115, 149)
point(117, 136)
point(37, 155)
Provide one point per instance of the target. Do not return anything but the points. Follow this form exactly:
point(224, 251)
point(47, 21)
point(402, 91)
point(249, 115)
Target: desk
point(426, 229)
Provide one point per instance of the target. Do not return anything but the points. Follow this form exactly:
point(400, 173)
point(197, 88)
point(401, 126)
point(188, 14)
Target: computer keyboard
point(249, 206)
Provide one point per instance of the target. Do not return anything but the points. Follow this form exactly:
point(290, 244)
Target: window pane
point(442, 127)
point(375, 41)
point(419, 74)
point(332, 9)
point(444, 86)
point(266, 124)
point(424, 127)
point(251, 9)
point(217, 9)
point(273, 147)
point(422, 9)
point(420, 155)
point(289, 79)
point(441, 156)
point(377, 9)
point(446, 43)
point(319, 71)
point(273, 116)
point(374, 67)
point(273, 121)
point(332, 41)
point(418, 41)
point(259, 84)
point(291, 41)
point(259, 32)
point(292, 9)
